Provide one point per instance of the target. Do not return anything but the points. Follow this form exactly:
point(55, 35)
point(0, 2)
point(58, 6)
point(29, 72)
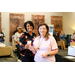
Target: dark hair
point(74, 33)
point(47, 34)
point(29, 22)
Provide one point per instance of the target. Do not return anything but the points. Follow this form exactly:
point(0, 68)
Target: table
point(64, 53)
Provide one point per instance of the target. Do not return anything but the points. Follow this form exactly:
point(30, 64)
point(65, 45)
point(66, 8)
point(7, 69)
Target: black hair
point(29, 22)
point(74, 33)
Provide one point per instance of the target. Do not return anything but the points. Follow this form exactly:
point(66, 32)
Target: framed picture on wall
point(37, 19)
point(0, 20)
point(57, 21)
point(15, 20)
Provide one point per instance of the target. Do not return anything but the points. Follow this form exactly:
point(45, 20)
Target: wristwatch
point(48, 55)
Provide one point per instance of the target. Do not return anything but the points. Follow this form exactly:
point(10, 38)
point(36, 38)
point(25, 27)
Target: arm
point(50, 53)
point(53, 52)
point(17, 42)
point(33, 48)
point(63, 35)
point(60, 36)
point(15, 38)
point(54, 48)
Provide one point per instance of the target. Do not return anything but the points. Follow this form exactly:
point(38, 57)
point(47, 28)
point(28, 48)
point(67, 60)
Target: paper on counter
point(69, 57)
point(72, 46)
point(29, 42)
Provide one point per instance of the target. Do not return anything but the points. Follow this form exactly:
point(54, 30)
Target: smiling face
point(19, 30)
point(62, 32)
point(29, 27)
point(42, 30)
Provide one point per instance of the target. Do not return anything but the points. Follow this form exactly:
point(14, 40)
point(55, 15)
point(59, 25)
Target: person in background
point(73, 37)
point(26, 39)
point(44, 46)
point(62, 39)
point(15, 31)
point(1, 36)
point(55, 34)
point(16, 39)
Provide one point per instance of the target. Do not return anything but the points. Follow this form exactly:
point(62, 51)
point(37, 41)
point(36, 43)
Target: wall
point(5, 20)
point(68, 22)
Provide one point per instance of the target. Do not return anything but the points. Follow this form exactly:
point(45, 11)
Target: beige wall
point(5, 20)
point(68, 22)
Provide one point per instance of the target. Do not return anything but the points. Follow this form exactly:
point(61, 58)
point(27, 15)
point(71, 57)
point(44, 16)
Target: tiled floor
point(63, 52)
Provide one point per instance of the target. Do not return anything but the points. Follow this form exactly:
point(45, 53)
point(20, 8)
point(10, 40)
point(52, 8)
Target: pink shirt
point(44, 47)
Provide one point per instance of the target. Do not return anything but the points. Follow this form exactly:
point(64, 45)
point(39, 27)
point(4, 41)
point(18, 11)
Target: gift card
point(29, 42)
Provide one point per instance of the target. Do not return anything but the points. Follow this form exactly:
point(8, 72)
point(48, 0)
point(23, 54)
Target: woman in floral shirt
point(27, 37)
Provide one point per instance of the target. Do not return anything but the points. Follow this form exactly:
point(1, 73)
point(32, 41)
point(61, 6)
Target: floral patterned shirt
point(23, 41)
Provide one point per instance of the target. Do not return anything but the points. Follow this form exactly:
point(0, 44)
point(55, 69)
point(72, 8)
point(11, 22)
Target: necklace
point(40, 42)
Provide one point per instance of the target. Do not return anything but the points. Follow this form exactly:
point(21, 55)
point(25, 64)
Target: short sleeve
point(53, 43)
point(15, 37)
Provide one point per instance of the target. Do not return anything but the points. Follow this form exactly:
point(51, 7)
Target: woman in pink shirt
point(44, 46)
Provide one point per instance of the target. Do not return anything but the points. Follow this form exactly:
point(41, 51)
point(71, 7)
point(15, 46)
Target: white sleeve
point(53, 43)
point(15, 37)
